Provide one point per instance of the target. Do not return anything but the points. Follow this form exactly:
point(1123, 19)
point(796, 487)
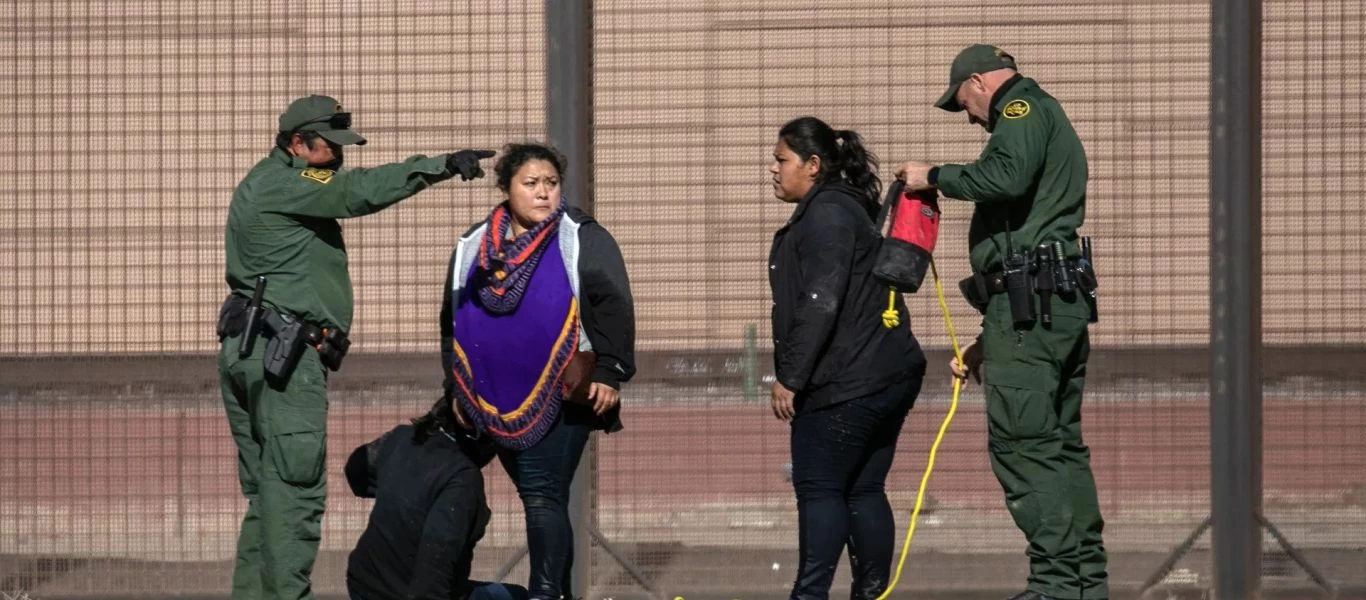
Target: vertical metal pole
point(569, 122)
point(750, 364)
point(569, 92)
point(581, 517)
point(1235, 295)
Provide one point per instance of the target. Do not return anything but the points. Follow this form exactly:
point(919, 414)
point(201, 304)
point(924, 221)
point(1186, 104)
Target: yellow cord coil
point(890, 317)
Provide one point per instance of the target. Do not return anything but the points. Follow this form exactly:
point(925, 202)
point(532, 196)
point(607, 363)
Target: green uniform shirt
point(1031, 175)
point(282, 223)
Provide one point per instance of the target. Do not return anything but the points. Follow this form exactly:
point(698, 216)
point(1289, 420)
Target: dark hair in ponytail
point(843, 157)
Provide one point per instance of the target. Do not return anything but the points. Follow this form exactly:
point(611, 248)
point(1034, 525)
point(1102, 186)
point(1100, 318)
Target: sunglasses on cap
point(341, 120)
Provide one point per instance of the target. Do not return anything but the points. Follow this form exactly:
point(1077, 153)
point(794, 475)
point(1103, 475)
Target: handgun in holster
point(285, 345)
point(288, 340)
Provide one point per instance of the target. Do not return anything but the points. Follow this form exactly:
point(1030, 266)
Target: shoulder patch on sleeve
point(319, 175)
point(1015, 109)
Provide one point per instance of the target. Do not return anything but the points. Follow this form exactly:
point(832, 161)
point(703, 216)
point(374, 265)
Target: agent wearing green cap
point(282, 225)
point(1028, 188)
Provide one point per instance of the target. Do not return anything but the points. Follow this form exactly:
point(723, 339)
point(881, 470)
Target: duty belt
point(287, 335)
point(1035, 276)
point(994, 283)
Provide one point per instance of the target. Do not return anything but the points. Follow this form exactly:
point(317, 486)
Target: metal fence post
point(569, 123)
point(1236, 295)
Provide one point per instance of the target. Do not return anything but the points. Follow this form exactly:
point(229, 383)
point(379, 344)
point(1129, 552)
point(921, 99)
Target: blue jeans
point(542, 474)
point(841, 455)
point(482, 590)
point(497, 591)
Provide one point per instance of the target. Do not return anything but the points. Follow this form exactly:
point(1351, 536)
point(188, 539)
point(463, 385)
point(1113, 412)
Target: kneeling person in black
point(429, 513)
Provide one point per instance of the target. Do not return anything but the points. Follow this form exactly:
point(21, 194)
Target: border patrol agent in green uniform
point(1035, 286)
point(276, 349)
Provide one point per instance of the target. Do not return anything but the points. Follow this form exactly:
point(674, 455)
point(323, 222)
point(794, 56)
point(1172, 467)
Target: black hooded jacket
point(429, 512)
point(829, 343)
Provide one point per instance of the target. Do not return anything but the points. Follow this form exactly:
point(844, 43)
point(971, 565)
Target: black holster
point(285, 347)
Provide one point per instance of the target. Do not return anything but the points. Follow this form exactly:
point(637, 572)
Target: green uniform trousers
point(281, 433)
point(1033, 377)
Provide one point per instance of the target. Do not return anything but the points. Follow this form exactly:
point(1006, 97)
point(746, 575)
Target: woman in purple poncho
point(538, 334)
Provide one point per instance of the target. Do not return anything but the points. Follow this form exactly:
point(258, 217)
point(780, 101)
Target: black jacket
point(829, 344)
point(606, 308)
point(429, 512)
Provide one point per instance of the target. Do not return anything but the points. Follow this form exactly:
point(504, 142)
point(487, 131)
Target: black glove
point(466, 163)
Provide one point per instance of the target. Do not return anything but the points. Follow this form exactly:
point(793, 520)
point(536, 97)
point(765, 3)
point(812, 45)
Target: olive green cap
point(977, 58)
point(322, 114)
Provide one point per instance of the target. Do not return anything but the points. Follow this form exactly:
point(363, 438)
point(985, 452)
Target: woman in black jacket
point(844, 381)
point(429, 513)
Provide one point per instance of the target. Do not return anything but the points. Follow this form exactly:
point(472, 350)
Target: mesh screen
point(689, 101)
point(1315, 483)
point(130, 123)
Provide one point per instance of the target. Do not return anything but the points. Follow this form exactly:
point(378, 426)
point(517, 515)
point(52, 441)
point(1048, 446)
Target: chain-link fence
point(131, 122)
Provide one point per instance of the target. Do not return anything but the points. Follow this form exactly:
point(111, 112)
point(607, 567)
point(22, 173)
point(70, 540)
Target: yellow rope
point(890, 317)
point(934, 449)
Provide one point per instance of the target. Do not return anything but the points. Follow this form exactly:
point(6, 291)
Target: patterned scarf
point(506, 266)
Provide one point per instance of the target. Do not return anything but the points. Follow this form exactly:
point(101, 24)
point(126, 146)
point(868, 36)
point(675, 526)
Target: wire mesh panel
point(129, 124)
point(689, 99)
point(1314, 309)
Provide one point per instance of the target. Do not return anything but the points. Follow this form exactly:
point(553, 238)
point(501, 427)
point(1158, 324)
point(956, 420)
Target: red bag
point(904, 256)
